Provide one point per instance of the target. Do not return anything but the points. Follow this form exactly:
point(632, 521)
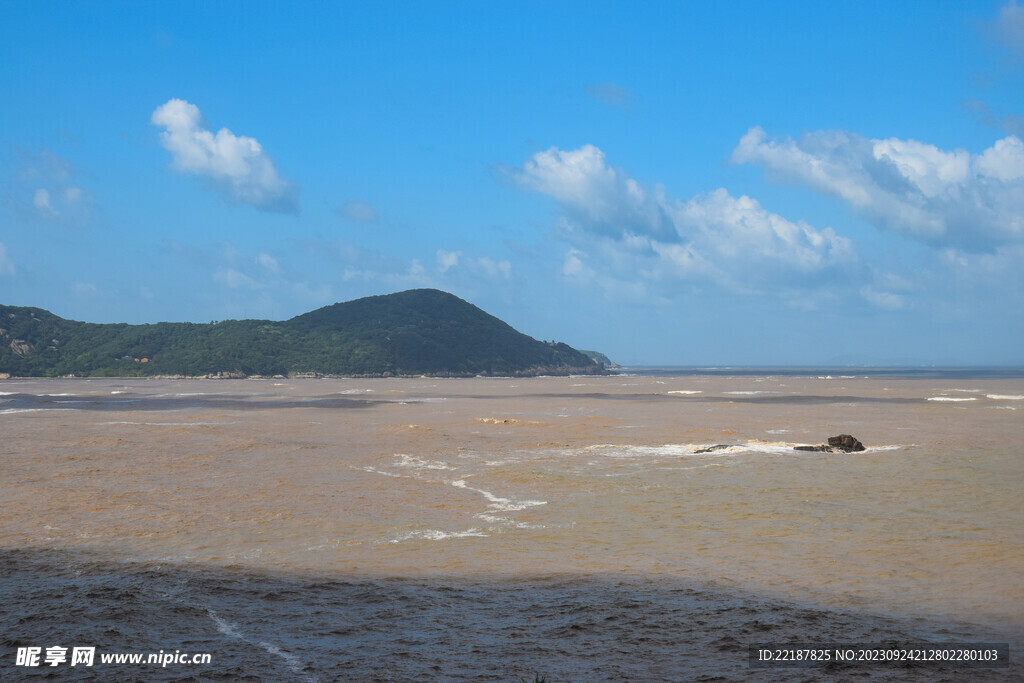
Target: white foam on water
point(374, 470)
point(494, 519)
point(412, 461)
point(633, 452)
point(10, 411)
point(439, 535)
point(750, 393)
point(233, 631)
point(170, 424)
point(685, 392)
point(498, 503)
point(890, 447)
point(951, 399)
point(1005, 397)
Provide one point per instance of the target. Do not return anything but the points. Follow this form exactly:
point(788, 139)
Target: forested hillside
point(423, 331)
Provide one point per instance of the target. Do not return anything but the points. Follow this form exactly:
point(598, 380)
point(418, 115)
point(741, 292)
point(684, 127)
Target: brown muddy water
point(495, 529)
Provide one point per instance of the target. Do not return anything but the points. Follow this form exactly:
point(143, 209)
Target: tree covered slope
point(422, 331)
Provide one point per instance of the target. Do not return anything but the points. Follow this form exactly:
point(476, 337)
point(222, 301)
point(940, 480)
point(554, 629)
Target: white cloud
point(602, 198)
point(482, 265)
point(447, 259)
point(358, 212)
point(733, 240)
point(44, 187)
point(1003, 161)
point(268, 262)
point(235, 279)
point(237, 165)
point(619, 289)
point(6, 265)
point(489, 266)
point(41, 200)
point(575, 268)
point(887, 300)
point(936, 196)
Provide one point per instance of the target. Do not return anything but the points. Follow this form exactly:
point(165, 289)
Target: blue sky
point(671, 183)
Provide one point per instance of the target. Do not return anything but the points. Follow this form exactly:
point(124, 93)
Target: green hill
point(421, 331)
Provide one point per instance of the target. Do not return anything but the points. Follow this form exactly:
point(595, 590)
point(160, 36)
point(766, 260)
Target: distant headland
point(416, 332)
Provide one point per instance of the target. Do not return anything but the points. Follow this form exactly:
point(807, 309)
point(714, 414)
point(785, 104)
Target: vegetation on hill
point(599, 357)
point(422, 331)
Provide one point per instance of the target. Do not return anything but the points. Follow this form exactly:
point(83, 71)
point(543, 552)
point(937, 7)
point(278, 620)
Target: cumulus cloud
point(604, 199)
point(447, 259)
point(6, 265)
point(733, 240)
point(358, 212)
point(950, 198)
point(236, 165)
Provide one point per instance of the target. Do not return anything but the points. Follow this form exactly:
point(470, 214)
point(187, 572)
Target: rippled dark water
point(265, 626)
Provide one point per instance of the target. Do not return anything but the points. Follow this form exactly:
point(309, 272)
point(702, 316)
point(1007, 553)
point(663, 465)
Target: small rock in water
point(844, 443)
point(711, 449)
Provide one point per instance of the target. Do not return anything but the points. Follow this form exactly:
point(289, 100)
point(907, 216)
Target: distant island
point(416, 332)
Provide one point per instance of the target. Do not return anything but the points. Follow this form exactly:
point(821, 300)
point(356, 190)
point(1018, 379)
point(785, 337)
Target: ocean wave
point(169, 424)
point(414, 462)
point(951, 399)
point(438, 535)
point(686, 392)
point(497, 502)
point(1005, 397)
point(233, 630)
point(374, 470)
point(709, 451)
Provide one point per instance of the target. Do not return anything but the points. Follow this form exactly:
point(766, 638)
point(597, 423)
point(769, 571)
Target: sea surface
point(502, 529)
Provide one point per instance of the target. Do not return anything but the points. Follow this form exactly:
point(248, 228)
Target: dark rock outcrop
point(712, 449)
point(844, 443)
point(814, 449)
